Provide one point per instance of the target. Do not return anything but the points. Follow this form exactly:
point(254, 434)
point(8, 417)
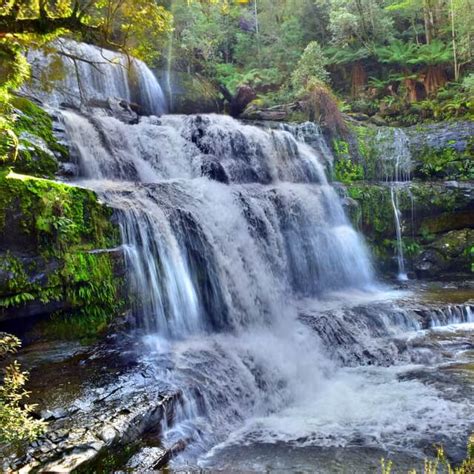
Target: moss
point(93, 293)
point(358, 154)
point(429, 213)
point(33, 119)
point(54, 216)
point(53, 231)
point(447, 162)
point(38, 149)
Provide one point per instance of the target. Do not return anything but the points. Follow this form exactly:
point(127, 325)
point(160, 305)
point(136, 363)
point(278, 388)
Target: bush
point(16, 423)
point(321, 105)
point(311, 66)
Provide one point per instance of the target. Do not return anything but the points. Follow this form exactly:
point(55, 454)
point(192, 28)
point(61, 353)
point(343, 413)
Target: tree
point(403, 55)
point(129, 25)
point(312, 65)
point(354, 57)
point(359, 23)
point(434, 56)
point(16, 423)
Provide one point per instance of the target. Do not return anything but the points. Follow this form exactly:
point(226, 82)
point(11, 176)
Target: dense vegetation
point(402, 59)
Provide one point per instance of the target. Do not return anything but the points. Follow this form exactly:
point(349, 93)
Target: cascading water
point(235, 242)
point(396, 171)
point(88, 74)
point(233, 237)
point(274, 210)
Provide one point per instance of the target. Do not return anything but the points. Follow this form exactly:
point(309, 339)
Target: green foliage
point(56, 216)
point(16, 424)
point(349, 54)
point(346, 171)
point(441, 464)
point(398, 52)
point(448, 163)
point(432, 54)
point(232, 78)
point(64, 225)
point(468, 84)
point(311, 66)
point(27, 144)
point(241, 42)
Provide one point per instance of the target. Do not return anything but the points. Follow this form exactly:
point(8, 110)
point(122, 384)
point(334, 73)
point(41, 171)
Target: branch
point(12, 25)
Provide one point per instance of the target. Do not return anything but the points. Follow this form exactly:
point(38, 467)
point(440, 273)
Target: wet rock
point(211, 168)
point(440, 135)
point(147, 459)
point(377, 120)
point(120, 109)
point(114, 411)
point(359, 117)
point(367, 334)
point(277, 113)
point(431, 212)
point(50, 415)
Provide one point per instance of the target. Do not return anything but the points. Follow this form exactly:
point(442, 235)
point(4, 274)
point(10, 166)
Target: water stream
point(235, 242)
point(396, 159)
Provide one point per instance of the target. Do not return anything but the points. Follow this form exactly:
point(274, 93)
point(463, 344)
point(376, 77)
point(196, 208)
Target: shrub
point(16, 424)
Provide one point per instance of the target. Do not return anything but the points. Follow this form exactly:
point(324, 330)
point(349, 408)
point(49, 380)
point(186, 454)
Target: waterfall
point(83, 75)
point(396, 170)
point(223, 219)
point(235, 243)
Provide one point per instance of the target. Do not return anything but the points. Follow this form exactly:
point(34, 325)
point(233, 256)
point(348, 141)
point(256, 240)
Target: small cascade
point(85, 75)
point(402, 275)
point(396, 170)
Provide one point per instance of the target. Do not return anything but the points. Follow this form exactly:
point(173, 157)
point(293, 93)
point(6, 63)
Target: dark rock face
point(240, 100)
point(122, 110)
point(440, 135)
point(444, 150)
point(451, 252)
point(213, 169)
point(58, 245)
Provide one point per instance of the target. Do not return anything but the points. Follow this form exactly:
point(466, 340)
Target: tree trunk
point(428, 21)
point(413, 94)
point(239, 101)
point(435, 78)
point(358, 79)
point(453, 37)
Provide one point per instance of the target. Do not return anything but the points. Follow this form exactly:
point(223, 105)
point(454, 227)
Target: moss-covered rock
point(429, 211)
point(453, 252)
point(437, 151)
point(55, 255)
point(38, 151)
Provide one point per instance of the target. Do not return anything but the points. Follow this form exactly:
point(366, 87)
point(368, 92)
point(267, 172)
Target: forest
point(237, 236)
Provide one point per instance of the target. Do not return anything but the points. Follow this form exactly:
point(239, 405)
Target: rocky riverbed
point(107, 404)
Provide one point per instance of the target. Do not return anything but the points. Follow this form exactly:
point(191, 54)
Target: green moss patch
point(35, 150)
point(54, 255)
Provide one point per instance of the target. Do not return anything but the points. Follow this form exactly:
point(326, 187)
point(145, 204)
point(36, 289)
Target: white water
point(235, 244)
point(80, 74)
point(396, 169)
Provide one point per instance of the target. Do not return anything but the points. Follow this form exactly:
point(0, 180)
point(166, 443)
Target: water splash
point(211, 255)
